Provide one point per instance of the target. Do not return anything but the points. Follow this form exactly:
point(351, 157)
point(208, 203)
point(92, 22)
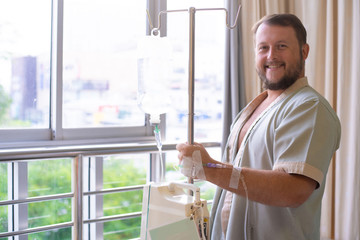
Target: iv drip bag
point(154, 58)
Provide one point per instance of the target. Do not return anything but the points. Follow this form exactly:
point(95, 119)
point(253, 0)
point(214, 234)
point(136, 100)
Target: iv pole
point(191, 68)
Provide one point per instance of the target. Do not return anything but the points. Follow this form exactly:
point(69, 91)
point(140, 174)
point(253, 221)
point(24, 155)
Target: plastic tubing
point(216, 165)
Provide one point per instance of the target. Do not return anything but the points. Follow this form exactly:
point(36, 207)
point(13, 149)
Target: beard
point(290, 76)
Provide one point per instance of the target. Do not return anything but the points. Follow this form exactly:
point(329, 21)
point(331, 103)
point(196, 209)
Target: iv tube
point(159, 146)
point(158, 137)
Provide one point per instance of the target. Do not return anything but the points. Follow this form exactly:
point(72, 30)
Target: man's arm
point(268, 187)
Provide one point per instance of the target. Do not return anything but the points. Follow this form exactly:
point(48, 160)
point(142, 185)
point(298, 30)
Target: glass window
point(49, 212)
point(123, 229)
point(3, 219)
point(125, 170)
point(25, 38)
point(3, 196)
point(47, 177)
point(59, 234)
point(121, 203)
point(116, 171)
point(99, 88)
point(100, 68)
point(210, 29)
point(100, 62)
point(121, 171)
point(3, 181)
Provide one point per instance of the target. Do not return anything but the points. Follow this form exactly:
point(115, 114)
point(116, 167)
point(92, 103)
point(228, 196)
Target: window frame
point(80, 143)
point(56, 134)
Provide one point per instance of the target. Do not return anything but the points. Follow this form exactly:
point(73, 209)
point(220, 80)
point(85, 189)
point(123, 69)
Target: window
point(106, 173)
point(49, 177)
point(25, 63)
point(92, 79)
point(209, 69)
point(100, 63)
point(68, 88)
point(69, 72)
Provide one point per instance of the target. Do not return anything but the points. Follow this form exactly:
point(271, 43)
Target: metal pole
point(78, 198)
point(191, 83)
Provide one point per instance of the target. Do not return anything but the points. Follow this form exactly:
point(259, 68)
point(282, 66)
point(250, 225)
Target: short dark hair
point(285, 20)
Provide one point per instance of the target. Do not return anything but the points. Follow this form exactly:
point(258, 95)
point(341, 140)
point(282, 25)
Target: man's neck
point(273, 94)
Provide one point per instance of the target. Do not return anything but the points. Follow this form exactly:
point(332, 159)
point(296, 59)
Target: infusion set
point(174, 211)
point(154, 57)
point(169, 210)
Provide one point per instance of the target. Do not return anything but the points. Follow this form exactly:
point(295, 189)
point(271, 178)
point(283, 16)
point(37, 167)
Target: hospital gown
point(298, 134)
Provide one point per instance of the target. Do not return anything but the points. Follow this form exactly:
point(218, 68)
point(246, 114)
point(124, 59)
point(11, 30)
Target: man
point(272, 175)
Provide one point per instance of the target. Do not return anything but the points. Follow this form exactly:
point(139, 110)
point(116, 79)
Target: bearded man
point(272, 176)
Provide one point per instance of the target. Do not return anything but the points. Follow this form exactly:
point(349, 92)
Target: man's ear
point(305, 50)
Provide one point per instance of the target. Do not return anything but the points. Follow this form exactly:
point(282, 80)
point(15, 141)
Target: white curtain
point(333, 69)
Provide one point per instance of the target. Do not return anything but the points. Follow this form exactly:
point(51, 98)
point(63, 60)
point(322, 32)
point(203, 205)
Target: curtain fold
point(332, 69)
point(347, 179)
point(234, 82)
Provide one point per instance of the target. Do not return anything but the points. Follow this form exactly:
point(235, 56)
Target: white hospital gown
point(297, 134)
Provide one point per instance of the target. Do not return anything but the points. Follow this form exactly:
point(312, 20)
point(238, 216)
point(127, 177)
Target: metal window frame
point(12, 138)
point(18, 189)
point(78, 153)
point(79, 144)
point(93, 203)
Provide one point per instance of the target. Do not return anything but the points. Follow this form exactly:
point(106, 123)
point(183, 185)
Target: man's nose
point(272, 53)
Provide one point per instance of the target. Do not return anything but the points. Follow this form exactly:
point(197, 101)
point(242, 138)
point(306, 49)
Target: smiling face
point(279, 59)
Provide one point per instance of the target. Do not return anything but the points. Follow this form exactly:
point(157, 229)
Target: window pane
point(3, 219)
point(209, 70)
point(49, 212)
point(59, 234)
point(123, 229)
point(48, 177)
point(125, 170)
point(100, 62)
point(3, 196)
point(25, 37)
point(121, 203)
point(3, 181)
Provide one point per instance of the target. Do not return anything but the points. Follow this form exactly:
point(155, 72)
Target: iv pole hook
point(199, 9)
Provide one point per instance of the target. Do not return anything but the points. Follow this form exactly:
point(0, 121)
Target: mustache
point(274, 63)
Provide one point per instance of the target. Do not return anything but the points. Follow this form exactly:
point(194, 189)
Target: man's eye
point(262, 48)
point(282, 46)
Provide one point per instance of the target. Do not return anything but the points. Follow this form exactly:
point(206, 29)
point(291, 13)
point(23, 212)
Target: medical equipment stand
point(171, 197)
point(191, 67)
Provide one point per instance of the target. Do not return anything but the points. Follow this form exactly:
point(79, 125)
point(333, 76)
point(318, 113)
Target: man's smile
point(274, 66)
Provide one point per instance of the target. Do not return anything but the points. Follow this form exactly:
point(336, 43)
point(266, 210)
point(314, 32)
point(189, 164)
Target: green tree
point(48, 177)
point(5, 102)
point(122, 172)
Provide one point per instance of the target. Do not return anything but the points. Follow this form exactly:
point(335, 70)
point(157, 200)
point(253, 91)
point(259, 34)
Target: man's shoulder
point(307, 97)
point(309, 94)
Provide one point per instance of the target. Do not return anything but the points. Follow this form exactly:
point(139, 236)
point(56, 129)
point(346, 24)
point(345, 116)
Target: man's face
point(279, 59)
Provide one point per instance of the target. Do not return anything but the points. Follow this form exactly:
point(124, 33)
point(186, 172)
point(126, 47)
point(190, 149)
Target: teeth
point(274, 66)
